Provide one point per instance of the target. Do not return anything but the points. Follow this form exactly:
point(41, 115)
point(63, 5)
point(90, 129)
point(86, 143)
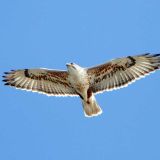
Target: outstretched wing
point(45, 81)
point(120, 72)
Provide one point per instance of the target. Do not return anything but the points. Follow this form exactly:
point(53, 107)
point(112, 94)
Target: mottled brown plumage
point(122, 71)
point(85, 82)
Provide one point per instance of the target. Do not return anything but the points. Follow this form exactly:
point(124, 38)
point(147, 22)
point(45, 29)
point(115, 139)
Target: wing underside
point(50, 82)
point(120, 72)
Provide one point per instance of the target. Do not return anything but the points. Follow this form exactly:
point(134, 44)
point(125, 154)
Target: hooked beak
point(70, 65)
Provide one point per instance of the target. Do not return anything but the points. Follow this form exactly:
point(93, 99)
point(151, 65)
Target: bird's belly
point(80, 84)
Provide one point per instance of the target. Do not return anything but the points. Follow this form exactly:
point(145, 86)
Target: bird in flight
point(85, 82)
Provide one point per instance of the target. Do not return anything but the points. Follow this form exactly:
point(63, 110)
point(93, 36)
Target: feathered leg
point(90, 106)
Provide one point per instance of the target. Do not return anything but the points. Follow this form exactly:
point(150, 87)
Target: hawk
point(85, 82)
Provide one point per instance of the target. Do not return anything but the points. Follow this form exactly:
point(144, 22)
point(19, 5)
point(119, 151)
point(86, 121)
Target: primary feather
point(50, 82)
point(85, 82)
point(120, 72)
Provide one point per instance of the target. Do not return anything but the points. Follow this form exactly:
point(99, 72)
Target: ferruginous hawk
point(85, 82)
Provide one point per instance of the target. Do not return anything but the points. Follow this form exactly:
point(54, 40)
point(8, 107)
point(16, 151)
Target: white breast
point(79, 80)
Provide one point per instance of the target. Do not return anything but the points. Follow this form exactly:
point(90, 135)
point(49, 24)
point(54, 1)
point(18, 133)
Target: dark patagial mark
point(26, 73)
point(131, 62)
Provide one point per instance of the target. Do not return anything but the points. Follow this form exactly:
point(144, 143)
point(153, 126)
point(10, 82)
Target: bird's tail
point(91, 108)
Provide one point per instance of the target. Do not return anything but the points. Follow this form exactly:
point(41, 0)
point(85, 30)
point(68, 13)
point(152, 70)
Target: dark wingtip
point(26, 73)
point(146, 54)
point(6, 72)
point(156, 55)
point(11, 71)
point(7, 84)
point(5, 80)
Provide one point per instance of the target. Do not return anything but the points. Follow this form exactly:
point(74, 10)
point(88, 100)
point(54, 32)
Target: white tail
point(91, 108)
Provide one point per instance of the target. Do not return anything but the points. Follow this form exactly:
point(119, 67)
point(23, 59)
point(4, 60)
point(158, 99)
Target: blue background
point(47, 33)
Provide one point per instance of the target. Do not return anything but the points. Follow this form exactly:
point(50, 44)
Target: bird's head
point(72, 67)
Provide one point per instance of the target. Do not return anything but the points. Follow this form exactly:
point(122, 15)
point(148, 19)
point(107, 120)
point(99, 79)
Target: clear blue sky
point(49, 33)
